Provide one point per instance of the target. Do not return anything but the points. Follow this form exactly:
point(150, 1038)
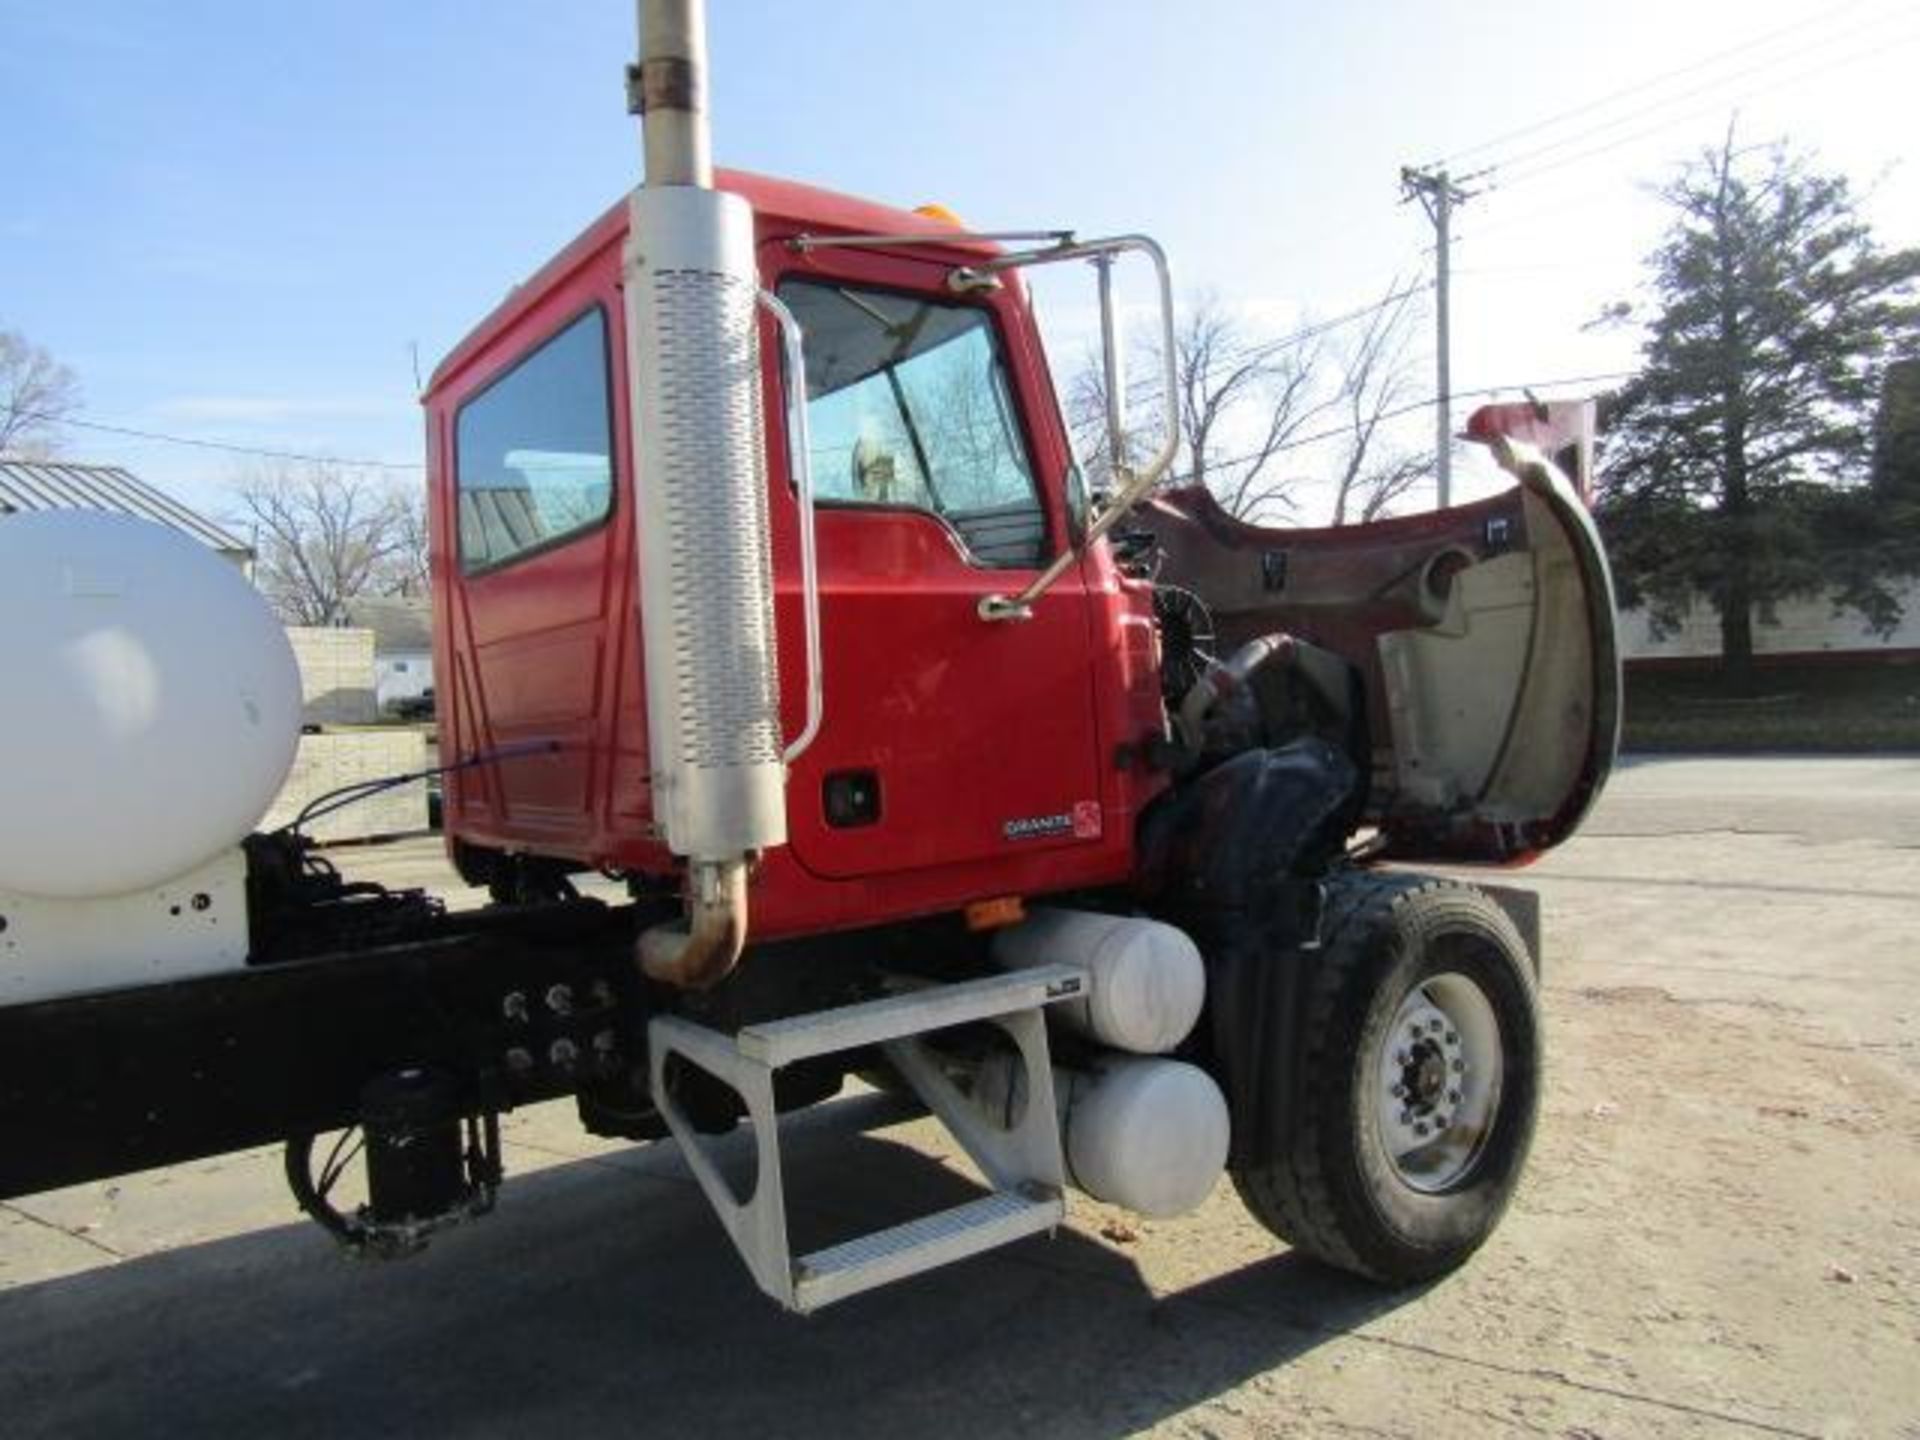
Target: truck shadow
point(604, 1296)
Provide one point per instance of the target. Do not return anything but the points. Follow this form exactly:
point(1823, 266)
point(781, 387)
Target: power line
point(221, 445)
point(1397, 412)
point(1506, 180)
point(1654, 83)
point(1563, 267)
point(1306, 332)
point(1585, 200)
point(1259, 349)
point(1321, 327)
point(1253, 351)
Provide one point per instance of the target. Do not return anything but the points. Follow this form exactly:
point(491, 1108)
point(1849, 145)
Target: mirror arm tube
point(1113, 355)
point(1134, 484)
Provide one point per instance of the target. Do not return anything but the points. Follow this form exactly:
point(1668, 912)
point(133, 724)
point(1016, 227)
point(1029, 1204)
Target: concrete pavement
point(1715, 1237)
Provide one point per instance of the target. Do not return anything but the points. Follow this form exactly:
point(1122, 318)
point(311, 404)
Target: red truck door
point(948, 738)
point(528, 527)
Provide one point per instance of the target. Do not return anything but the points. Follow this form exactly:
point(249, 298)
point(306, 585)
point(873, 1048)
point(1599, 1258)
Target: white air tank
point(1141, 1132)
point(1145, 1133)
point(1146, 980)
point(150, 709)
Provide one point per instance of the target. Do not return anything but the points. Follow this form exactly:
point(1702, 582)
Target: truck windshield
point(908, 407)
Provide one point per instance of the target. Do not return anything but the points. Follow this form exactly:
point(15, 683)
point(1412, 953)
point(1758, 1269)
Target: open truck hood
point(1484, 637)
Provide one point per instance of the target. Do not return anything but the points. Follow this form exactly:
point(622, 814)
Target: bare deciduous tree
point(1376, 383)
point(37, 392)
point(1384, 482)
point(1245, 403)
point(409, 575)
point(1086, 406)
point(1241, 404)
point(326, 536)
point(1221, 373)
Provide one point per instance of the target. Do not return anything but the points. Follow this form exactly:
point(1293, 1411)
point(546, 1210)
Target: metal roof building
point(401, 625)
point(27, 485)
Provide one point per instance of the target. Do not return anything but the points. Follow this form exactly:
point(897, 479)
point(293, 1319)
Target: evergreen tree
point(1739, 459)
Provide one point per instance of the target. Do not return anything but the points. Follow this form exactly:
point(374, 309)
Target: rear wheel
point(1419, 1047)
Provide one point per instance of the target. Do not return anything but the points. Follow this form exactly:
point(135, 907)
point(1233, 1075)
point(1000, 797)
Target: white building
point(402, 645)
point(1809, 625)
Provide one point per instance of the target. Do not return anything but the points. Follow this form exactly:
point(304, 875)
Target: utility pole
point(1438, 194)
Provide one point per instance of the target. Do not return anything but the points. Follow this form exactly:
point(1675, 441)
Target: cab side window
point(533, 451)
point(909, 406)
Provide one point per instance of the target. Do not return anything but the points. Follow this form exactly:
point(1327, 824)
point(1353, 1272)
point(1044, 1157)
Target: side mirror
point(1130, 485)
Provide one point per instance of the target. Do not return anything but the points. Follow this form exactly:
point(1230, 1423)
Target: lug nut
point(514, 1005)
point(1453, 1097)
point(560, 999)
point(1459, 1067)
point(519, 1060)
point(563, 1053)
point(1421, 1128)
point(1399, 1092)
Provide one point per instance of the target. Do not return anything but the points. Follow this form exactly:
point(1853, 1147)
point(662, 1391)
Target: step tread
point(923, 1244)
point(825, 1032)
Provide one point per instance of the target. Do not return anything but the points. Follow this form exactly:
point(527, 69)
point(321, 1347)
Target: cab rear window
point(533, 452)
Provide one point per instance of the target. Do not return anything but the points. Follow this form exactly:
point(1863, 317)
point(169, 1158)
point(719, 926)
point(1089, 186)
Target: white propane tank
point(151, 710)
point(1146, 981)
point(1142, 1132)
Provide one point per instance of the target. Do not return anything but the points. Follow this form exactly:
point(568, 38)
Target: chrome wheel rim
point(1437, 1079)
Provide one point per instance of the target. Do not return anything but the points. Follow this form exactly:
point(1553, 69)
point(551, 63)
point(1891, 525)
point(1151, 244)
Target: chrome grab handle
point(800, 461)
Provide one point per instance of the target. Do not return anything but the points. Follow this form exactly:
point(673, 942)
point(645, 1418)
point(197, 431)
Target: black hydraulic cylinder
point(415, 1170)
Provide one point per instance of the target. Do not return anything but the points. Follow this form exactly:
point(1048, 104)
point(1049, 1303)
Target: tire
point(1349, 1181)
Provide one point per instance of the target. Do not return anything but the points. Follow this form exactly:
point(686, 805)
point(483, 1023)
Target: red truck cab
point(958, 760)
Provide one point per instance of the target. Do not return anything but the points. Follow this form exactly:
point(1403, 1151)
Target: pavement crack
point(1309, 1326)
point(72, 1234)
point(1670, 882)
point(1882, 1047)
point(1684, 834)
point(1575, 1382)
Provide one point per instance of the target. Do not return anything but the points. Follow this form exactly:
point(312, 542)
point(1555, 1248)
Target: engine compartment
point(1464, 659)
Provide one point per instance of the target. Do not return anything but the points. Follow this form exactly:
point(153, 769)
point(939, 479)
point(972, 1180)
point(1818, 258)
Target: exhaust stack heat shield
point(706, 583)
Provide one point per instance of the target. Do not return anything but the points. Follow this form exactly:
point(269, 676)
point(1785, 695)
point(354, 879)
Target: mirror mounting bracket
point(1132, 485)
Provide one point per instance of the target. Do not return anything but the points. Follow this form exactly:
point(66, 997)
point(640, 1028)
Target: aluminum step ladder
point(1023, 1162)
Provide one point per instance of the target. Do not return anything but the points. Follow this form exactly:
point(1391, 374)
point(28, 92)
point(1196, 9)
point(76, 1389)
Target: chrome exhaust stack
point(706, 581)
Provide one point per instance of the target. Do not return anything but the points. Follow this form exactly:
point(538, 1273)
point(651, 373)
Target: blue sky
point(236, 220)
